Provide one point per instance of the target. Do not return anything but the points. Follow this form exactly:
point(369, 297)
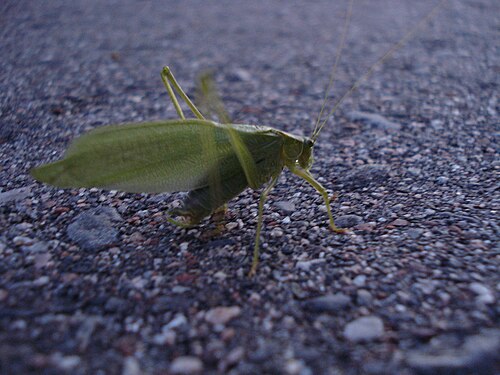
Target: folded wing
point(153, 157)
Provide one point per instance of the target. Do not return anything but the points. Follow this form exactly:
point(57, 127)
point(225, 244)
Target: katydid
point(213, 161)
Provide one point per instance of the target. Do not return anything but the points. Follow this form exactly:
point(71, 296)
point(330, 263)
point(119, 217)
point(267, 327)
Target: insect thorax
point(298, 151)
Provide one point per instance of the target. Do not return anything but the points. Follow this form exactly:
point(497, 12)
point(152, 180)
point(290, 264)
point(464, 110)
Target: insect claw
point(340, 230)
point(334, 196)
point(253, 270)
point(180, 223)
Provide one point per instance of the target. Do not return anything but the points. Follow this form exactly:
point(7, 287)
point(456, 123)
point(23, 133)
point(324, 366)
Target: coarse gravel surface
point(98, 282)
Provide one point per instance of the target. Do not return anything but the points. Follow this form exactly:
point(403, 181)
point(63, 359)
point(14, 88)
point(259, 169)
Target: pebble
point(65, 362)
point(41, 281)
point(348, 221)
point(478, 354)
point(415, 171)
point(366, 175)
point(367, 328)
point(442, 180)
point(359, 280)
point(41, 260)
point(131, 366)
point(327, 304)
point(93, 229)
point(23, 241)
point(364, 297)
point(305, 265)
point(414, 233)
point(400, 223)
point(37, 247)
point(286, 206)
point(13, 195)
point(6, 132)
point(374, 120)
point(485, 295)
point(115, 304)
point(186, 365)
point(277, 232)
point(232, 225)
point(222, 314)
point(176, 322)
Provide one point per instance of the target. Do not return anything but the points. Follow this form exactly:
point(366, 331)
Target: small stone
point(477, 355)
point(131, 367)
point(484, 293)
point(186, 365)
point(286, 206)
point(348, 221)
point(294, 367)
point(242, 75)
point(400, 223)
point(165, 337)
point(364, 297)
point(136, 238)
point(232, 225)
point(41, 281)
point(305, 265)
point(374, 120)
point(277, 232)
point(414, 233)
point(115, 304)
point(366, 227)
point(367, 328)
point(365, 176)
point(65, 362)
point(3, 295)
point(7, 132)
point(176, 322)
point(220, 275)
point(415, 171)
point(93, 230)
point(37, 247)
point(23, 241)
point(234, 356)
point(13, 195)
point(327, 304)
point(359, 280)
point(442, 180)
point(222, 314)
point(41, 260)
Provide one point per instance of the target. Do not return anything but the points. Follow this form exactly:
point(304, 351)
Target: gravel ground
point(99, 282)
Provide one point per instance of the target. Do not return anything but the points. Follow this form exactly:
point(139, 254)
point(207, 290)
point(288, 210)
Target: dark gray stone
point(367, 328)
point(93, 230)
point(285, 206)
point(13, 195)
point(327, 304)
point(365, 176)
point(479, 354)
point(348, 221)
point(374, 120)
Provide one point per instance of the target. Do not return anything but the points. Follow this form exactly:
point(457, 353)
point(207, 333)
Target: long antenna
point(337, 59)
point(384, 57)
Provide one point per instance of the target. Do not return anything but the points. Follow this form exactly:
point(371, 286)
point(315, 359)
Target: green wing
point(154, 157)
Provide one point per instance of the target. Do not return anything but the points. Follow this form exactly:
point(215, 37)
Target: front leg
point(306, 175)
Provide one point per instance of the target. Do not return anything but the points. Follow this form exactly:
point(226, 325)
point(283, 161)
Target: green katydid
point(213, 161)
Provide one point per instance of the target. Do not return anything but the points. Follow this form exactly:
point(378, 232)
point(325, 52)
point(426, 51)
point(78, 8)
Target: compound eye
point(309, 143)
